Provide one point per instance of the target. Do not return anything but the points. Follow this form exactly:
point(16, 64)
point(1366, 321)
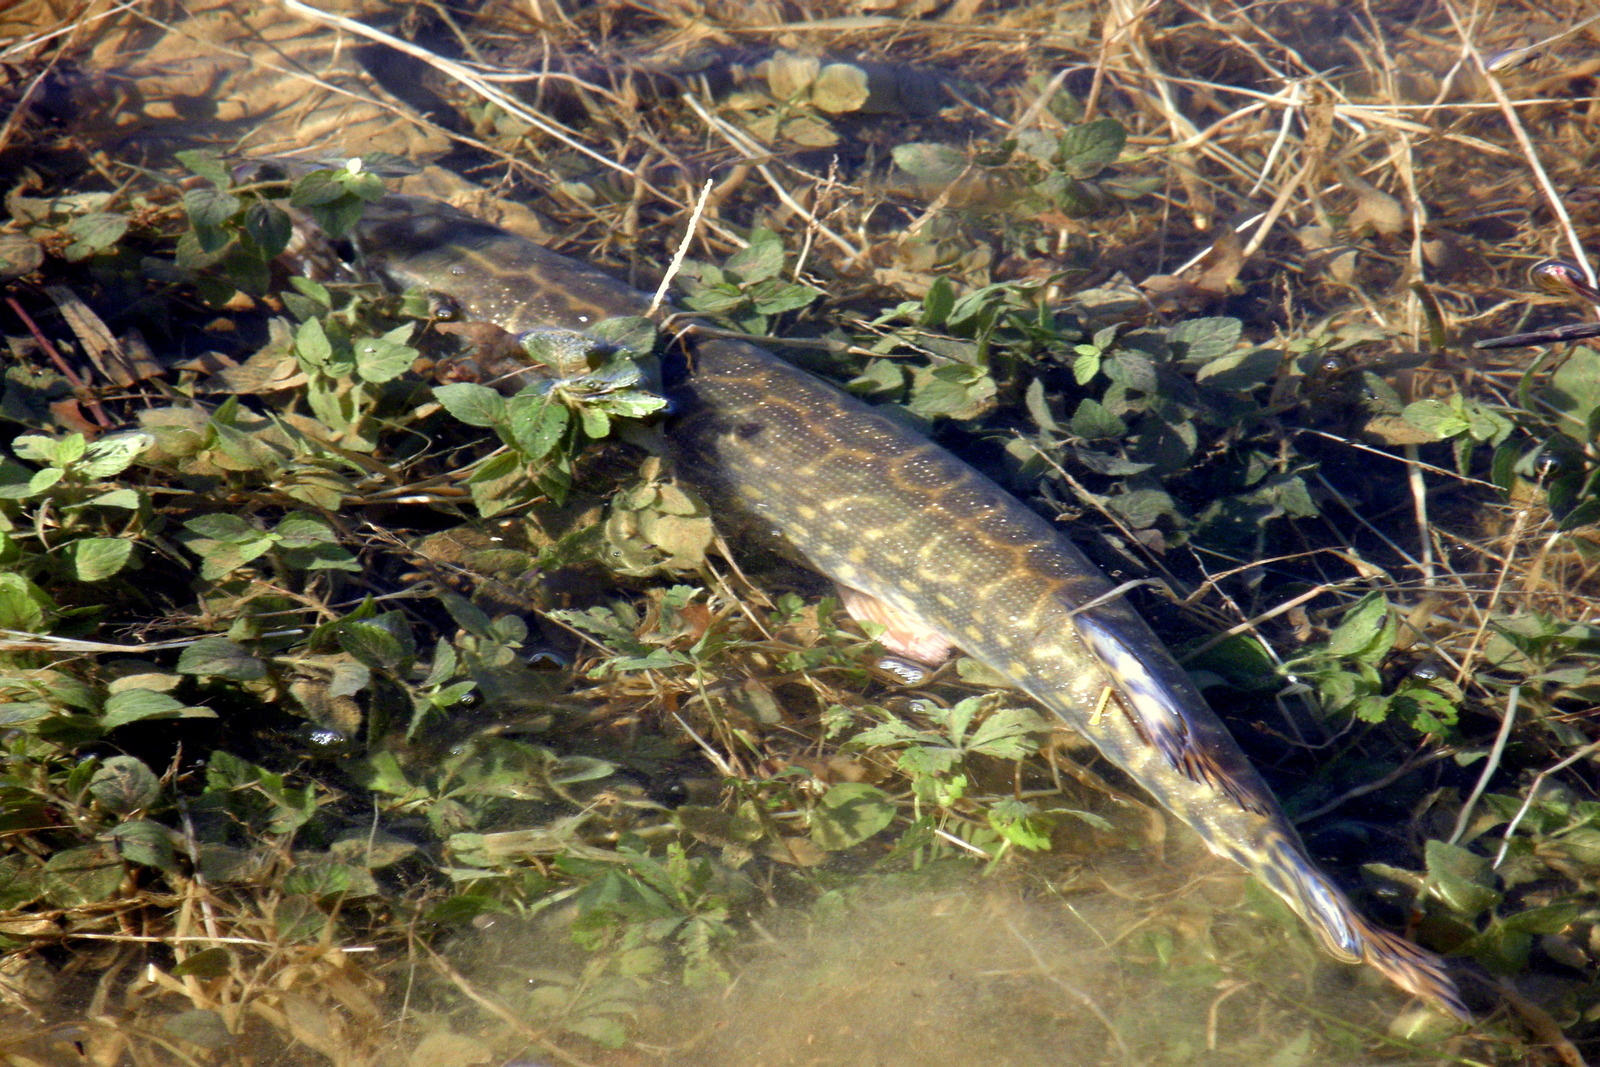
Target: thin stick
point(469, 78)
point(72, 377)
point(1372, 786)
point(755, 153)
point(1490, 766)
point(1529, 153)
point(1291, 108)
point(1252, 623)
point(26, 43)
point(1419, 510)
point(1533, 791)
point(1466, 479)
point(1512, 540)
point(1279, 206)
point(683, 250)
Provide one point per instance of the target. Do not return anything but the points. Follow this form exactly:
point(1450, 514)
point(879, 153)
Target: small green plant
point(748, 289)
point(549, 421)
point(1346, 671)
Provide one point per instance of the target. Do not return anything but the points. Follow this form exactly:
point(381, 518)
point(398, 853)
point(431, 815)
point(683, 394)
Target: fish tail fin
point(1346, 933)
point(1416, 970)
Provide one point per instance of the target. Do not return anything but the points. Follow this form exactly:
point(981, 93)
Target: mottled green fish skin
point(878, 508)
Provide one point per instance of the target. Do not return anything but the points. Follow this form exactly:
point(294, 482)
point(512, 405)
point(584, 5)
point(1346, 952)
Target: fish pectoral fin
point(1159, 718)
point(902, 634)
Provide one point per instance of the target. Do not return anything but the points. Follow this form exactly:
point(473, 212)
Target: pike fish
point(907, 529)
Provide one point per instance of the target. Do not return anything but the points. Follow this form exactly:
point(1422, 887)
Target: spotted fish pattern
point(885, 512)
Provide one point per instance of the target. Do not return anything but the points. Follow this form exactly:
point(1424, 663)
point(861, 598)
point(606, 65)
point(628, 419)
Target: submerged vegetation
point(357, 712)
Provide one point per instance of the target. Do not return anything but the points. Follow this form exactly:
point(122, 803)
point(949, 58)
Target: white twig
point(1490, 766)
point(1533, 791)
point(683, 250)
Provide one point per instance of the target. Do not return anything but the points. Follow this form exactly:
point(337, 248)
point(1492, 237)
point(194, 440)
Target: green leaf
point(44, 480)
point(95, 558)
point(596, 423)
point(89, 874)
point(113, 454)
point(840, 88)
point(537, 423)
point(603, 1030)
point(1009, 733)
point(135, 705)
point(499, 483)
point(1017, 821)
point(785, 297)
point(475, 405)
point(124, 784)
point(762, 259)
point(1360, 627)
point(225, 527)
point(370, 643)
point(218, 559)
point(371, 851)
point(70, 449)
point(1546, 919)
point(144, 841)
point(1205, 339)
point(316, 189)
point(929, 162)
point(848, 814)
point(269, 226)
point(1574, 388)
point(207, 165)
point(382, 359)
point(1088, 149)
point(217, 656)
point(1086, 364)
point(209, 210)
point(959, 391)
point(22, 604)
point(715, 299)
point(321, 877)
point(570, 770)
point(209, 963)
point(1436, 418)
point(37, 447)
point(299, 529)
point(311, 343)
point(1092, 421)
point(117, 498)
point(315, 292)
point(940, 300)
point(1463, 880)
point(1242, 370)
point(1143, 508)
point(19, 255)
point(95, 232)
point(631, 333)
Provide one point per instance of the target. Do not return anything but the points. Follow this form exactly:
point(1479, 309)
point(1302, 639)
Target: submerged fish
point(917, 537)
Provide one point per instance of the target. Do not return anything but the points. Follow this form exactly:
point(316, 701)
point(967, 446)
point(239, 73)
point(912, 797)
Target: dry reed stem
point(757, 156)
point(472, 81)
point(1530, 154)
